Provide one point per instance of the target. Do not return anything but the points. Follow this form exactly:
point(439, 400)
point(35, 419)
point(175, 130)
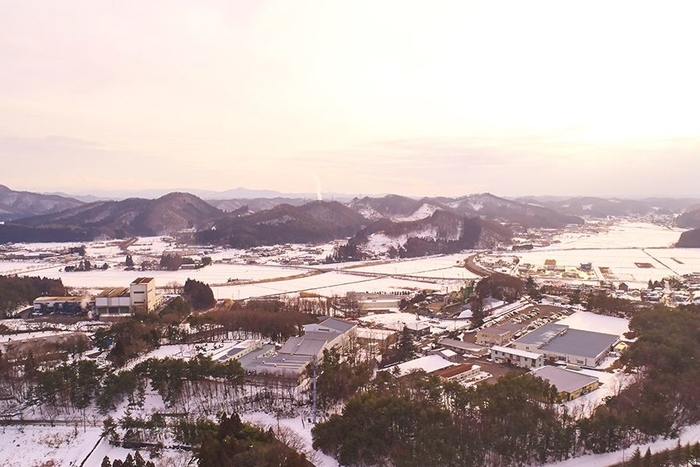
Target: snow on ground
point(215, 350)
point(214, 274)
point(634, 252)
point(426, 210)
point(396, 319)
point(588, 321)
point(630, 265)
point(37, 445)
point(329, 284)
point(621, 235)
point(300, 425)
point(436, 267)
point(429, 364)
point(680, 260)
point(167, 458)
point(610, 385)
point(4, 338)
point(689, 435)
point(20, 267)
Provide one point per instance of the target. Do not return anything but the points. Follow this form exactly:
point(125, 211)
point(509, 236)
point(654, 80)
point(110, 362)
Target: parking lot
point(529, 318)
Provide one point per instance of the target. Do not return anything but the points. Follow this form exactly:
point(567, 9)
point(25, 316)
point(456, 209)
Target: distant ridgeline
point(16, 292)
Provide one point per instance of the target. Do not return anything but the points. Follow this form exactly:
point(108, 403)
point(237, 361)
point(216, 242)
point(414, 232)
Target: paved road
point(477, 269)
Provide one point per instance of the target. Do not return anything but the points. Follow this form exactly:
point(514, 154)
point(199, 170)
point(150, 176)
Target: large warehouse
point(558, 342)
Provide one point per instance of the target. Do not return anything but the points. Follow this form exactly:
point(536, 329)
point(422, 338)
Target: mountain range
point(392, 224)
point(18, 204)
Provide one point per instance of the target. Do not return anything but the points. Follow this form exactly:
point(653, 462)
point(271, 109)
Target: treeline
point(680, 456)
point(499, 286)
point(232, 442)
point(665, 356)
point(17, 233)
point(71, 387)
point(418, 420)
point(271, 320)
point(18, 291)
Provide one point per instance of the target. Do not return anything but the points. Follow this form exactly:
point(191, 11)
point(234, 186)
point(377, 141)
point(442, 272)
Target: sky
point(419, 98)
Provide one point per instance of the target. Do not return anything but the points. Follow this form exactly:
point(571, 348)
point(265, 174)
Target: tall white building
point(143, 295)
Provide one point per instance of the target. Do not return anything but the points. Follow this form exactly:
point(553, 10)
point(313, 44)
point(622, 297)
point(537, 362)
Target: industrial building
point(143, 295)
point(139, 297)
point(460, 373)
point(290, 361)
point(497, 335)
point(463, 348)
point(116, 300)
point(62, 305)
point(558, 342)
point(569, 384)
point(517, 357)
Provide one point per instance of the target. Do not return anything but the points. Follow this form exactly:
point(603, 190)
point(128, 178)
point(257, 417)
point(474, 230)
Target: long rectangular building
point(558, 342)
point(517, 357)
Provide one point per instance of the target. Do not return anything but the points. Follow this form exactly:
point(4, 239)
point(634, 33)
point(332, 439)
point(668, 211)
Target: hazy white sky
point(408, 97)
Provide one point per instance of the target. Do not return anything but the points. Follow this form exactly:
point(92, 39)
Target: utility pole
point(315, 407)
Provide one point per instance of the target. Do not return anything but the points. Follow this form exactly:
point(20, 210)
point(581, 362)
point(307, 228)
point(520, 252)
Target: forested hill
point(442, 233)
point(689, 239)
point(20, 204)
point(16, 292)
point(318, 221)
point(115, 219)
point(484, 206)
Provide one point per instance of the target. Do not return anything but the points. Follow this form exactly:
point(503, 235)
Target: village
point(397, 317)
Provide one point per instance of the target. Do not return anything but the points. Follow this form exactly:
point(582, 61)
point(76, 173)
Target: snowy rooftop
point(428, 364)
point(564, 380)
point(542, 335)
point(516, 352)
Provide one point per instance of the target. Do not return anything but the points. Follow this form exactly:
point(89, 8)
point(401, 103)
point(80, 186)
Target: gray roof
point(303, 346)
point(331, 325)
point(502, 329)
point(580, 343)
point(542, 335)
point(265, 361)
point(281, 365)
point(516, 352)
point(460, 344)
point(564, 380)
point(338, 324)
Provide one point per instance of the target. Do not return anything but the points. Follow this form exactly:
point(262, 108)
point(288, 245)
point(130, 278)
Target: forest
point(17, 291)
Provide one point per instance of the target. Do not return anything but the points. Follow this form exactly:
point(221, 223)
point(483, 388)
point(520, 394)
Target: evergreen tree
point(198, 294)
point(636, 459)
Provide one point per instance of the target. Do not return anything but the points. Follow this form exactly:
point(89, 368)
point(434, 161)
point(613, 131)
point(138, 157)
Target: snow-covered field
point(628, 252)
point(29, 446)
point(214, 274)
point(330, 284)
point(588, 321)
point(621, 235)
point(435, 267)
